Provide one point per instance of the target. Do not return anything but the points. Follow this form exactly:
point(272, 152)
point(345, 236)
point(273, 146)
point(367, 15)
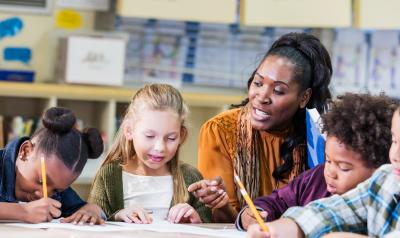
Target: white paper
point(56, 224)
point(156, 226)
point(165, 226)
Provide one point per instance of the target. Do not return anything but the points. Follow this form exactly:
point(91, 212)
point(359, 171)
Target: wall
point(40, 34)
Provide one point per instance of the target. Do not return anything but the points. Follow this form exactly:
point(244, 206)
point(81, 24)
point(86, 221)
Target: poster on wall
point(384, 63)
point(349, 59)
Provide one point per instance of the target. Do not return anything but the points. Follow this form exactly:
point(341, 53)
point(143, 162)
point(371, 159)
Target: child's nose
point(159, 146)
point(331, 172)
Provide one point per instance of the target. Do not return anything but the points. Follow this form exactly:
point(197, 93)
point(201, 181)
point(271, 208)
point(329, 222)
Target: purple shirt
point(303, 189)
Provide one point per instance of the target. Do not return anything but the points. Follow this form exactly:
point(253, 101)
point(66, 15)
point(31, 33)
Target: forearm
point(225, 214)
point(12, 211)
point(343, 235)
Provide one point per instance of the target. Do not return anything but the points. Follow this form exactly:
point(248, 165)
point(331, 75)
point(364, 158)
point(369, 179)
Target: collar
point(8, 157)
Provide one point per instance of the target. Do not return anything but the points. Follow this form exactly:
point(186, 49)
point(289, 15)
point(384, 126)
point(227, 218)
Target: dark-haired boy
point(358, 142)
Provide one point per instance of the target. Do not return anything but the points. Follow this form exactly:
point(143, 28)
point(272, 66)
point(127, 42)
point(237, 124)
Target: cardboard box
point(92, 60)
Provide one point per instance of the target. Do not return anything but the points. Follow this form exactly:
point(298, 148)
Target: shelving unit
point(101, 106)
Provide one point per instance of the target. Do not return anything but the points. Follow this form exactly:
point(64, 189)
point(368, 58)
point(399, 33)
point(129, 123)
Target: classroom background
point(91, 55)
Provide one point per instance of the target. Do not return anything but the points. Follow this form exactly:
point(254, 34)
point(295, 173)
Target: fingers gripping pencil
point(251, 204)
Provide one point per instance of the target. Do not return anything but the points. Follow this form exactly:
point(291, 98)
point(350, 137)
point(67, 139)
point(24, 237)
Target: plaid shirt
point(371, 208)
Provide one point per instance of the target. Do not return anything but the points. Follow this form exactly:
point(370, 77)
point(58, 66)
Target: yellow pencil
point(44, 182)
point(251, 204)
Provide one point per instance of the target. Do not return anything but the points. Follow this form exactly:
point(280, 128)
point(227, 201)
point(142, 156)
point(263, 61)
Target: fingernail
point(213, 189)
point(220, 191)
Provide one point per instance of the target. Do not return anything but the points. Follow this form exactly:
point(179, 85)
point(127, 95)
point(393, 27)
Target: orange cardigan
point(217, 142)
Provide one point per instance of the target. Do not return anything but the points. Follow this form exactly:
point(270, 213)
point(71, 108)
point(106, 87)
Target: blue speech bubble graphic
point(18, 54)
point(10, 27)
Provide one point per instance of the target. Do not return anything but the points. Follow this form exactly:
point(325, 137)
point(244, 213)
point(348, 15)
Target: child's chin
point(396, 171)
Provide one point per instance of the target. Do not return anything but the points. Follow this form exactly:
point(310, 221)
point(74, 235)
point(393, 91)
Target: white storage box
point(92, 60)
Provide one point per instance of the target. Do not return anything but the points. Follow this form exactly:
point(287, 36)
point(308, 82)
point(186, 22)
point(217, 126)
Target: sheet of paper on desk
point(57, 225)
point(165, 226)
point(156, 226)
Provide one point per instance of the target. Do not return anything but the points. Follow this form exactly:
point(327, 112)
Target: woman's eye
point(278, 92)
point(172, 139)
point(149, 136)
point(257, 83)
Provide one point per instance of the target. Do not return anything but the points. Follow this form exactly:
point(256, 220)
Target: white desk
point(19, 232)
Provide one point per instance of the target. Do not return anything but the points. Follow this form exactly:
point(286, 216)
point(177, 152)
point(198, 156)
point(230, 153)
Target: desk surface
point(19, 232)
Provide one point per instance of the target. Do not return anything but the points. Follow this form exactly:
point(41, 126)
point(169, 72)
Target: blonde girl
point(142, 178)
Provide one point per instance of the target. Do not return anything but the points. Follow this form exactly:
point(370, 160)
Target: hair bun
point(58, 120)
point(94, 142)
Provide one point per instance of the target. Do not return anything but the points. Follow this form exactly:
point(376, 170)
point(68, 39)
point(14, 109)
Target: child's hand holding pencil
point(247, 217)
point(250, 203)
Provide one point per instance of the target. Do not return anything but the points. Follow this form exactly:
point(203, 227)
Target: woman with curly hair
point(358, 141)
point(263, 140)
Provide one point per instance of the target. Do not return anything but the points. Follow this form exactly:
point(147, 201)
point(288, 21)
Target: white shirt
point(152, 193)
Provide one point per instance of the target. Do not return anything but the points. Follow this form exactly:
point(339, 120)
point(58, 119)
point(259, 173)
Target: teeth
point(261, 113)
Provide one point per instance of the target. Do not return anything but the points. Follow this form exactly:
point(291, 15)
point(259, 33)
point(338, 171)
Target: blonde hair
point(154, 97)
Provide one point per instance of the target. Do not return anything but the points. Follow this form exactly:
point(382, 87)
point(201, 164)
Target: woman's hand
point(42, 210)
point(183, 213)
point(134, 214)
point(90, 213)
point(247, 217)
point(210, 192)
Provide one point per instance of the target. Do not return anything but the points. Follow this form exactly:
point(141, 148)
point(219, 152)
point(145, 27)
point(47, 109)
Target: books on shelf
point(315, 138)
point(18, 127)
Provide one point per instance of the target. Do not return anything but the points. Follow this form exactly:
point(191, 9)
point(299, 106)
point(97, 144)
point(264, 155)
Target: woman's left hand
point(90, 213)
point(183, 213)
point(210, 192)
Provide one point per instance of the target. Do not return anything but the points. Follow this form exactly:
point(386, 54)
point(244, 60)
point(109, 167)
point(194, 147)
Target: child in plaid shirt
point(370, 209)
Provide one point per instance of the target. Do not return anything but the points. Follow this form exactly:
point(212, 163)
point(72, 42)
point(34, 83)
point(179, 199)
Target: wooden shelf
point(103, 106)
point(99, 93)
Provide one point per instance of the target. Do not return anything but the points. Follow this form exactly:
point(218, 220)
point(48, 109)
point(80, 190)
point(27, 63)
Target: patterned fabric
point(217, 152)
point(372, 208)
point(247, 151)
point(107, 190)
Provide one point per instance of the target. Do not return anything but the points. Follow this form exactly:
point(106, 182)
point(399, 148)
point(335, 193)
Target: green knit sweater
point(107, 191)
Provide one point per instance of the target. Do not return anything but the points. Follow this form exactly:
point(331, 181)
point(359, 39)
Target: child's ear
point(305, 97)
point(127, 130)
point(24, 150)
point(183, 134)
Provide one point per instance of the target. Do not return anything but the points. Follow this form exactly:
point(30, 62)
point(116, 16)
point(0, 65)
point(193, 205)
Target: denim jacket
point(70, 201)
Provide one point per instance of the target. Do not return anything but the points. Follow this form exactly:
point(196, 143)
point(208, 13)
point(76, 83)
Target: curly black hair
point(362, 122)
